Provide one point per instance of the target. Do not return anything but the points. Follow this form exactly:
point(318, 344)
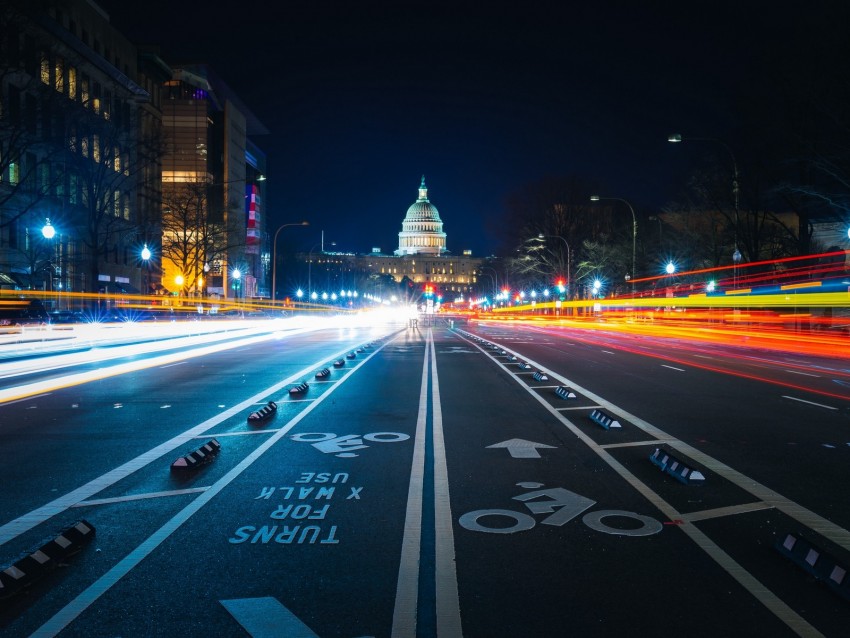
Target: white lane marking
point(664, 365)
point(805, 374)
point(171, 365)
point(30, 398)
point(140, 497)
point(447, 597)
point(521, 448)
point(720, 512)
point(267, 618)
point(87, 597)
point(749, 582)
point(37, 516)
point(407, 586)
point(608, 352)
point(820, 405)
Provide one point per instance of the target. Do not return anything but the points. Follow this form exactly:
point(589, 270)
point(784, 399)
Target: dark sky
point(362, 98)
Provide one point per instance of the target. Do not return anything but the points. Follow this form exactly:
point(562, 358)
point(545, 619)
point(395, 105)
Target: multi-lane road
point(450, 479)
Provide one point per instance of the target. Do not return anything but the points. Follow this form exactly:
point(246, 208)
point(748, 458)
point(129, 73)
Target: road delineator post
point(680, 471)
point(605, 420)
point(351, 355)
point(539, 376)
point(339, 363)
point(264, 413)
point(301, 388)
point(199, 457)
point(817, 562)
point(564, 392)
point(49, 554)
point(323, 373)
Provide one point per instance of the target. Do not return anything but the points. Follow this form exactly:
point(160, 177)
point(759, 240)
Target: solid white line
point(85, 599)
point(447, 598)
point(35, 396)
point(171, 365)
point(720, 512)
point(805, 374)
point(407, 586)
point(608, 352)
point(664, 365)
point(820, 405)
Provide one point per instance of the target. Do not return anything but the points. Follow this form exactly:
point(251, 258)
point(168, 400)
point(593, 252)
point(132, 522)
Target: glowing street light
point(48, 230)
point(274, 253)
point(670, 268)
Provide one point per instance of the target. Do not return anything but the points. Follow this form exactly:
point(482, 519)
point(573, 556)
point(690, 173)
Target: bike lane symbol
point(344, 446)
point(562, 505)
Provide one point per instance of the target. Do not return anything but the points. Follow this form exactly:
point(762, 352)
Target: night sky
point(363, 98)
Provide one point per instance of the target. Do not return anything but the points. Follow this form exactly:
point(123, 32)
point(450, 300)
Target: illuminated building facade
point(421, 259)
point(422, 228)
point(213, 189)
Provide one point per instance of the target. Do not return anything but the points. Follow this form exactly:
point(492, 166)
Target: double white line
point(407, 590)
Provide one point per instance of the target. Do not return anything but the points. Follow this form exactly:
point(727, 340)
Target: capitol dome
point(422, 228)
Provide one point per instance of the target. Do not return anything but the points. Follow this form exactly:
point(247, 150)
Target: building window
point(84, 89)
point(45, 69)
point(59, 72)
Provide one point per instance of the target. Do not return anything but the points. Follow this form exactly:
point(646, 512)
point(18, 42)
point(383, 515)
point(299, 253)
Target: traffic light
point(429, 290)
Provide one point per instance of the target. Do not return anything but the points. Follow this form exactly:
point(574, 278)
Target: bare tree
point(191, 238)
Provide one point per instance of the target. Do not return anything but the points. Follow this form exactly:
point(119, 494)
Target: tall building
point(78, 137)
point(422, 229)
point(213, 190)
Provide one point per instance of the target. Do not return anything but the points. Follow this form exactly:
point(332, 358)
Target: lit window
point(72, 83)
point(59, 71)
point(45, 69)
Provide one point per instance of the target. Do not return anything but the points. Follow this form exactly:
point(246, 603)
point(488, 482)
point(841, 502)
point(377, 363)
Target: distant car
point(20, 312)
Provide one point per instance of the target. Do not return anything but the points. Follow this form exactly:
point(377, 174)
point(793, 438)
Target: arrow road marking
point(521, 449)
point(267, 618)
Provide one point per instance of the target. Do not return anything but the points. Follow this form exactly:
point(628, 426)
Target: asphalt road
point(435, 484)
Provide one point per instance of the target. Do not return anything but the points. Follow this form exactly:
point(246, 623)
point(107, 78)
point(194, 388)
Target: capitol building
point(422, 229)
point(422, 258)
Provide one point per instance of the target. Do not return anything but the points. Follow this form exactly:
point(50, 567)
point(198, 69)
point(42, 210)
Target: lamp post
point(676, 138)
point(569, 259)
point(596, 198)
point(237, 276)
point(146, 257)
point(310, 261)
point(274, 254)
point(48, 231)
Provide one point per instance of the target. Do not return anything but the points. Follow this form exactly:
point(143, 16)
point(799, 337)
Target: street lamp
point(310, 260)
point(237, 275)
point(48, 231)
point(596, 198)
point(569, 280)
point(677, 138)
point(274, 254)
